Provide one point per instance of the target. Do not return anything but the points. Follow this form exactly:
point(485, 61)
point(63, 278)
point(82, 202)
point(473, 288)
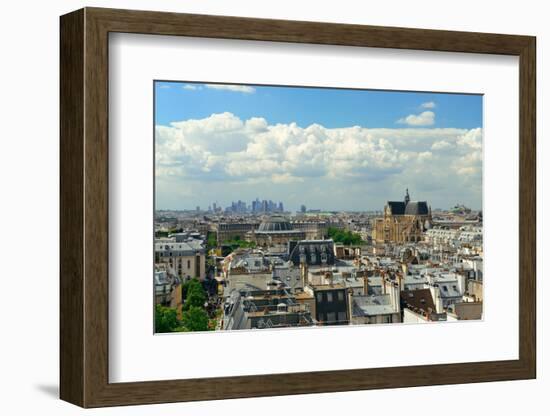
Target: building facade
point(230, 230)
point(185, 260)
point(273, 231)
point(403, 221)
point(311, 252)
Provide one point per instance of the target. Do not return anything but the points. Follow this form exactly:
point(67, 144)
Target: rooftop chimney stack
point(304, 272)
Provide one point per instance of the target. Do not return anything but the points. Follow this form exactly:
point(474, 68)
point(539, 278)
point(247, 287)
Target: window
point(188, 264)
point(331, 317)
point(340, 296)
point(329, 296)
point(319, 297)
point(342, 317)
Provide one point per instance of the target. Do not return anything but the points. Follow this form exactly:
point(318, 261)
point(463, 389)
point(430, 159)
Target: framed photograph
point(255, 207)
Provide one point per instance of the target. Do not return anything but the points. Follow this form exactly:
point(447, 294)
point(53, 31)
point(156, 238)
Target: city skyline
point(225, 205)
point(329, 149)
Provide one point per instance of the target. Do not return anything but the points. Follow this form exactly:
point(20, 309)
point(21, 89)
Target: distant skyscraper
point(303, 209)
point(241, 207)
point(256, 205)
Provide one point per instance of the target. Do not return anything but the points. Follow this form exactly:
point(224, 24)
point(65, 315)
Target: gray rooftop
point(372, 305)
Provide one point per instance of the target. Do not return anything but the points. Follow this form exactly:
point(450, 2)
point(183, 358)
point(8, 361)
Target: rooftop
point(408, 207)
point(372, 305)
point(275, 224)
point(420, 299)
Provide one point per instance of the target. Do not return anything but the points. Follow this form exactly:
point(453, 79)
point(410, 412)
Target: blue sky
point(305, 106)
point(332, 149)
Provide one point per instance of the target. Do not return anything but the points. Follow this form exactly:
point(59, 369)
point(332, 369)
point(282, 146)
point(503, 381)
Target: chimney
point(461, 280)
point(349, 296)
point(400, 281)
point(304, 272)
point(329, 277)
point(396, 296)
point(365, 285)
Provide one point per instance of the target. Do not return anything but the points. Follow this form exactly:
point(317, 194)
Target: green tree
point(211, 240)
point(195, 296)
point(195, 299)
point(166, 319)
point(345, 237)
point(237, 242)
point(195, 319)
point(189, 286)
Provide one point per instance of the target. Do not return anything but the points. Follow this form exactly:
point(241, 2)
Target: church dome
point(275, 224)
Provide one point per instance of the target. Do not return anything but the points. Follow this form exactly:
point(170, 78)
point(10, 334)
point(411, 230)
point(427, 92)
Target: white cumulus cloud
point(191, 87)
point(426, 118)
point(230, 155)
point(441, 145)
point(429, 105)
point(235, 88)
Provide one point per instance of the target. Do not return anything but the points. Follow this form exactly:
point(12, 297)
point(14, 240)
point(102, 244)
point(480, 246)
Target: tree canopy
point(194, 298)
point(237, 242)
point(194, 294)
point(195, 319)
point(347, 238)
point(166, 319)
point(211, 240)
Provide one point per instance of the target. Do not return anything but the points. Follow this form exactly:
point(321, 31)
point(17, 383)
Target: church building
point(403, 221)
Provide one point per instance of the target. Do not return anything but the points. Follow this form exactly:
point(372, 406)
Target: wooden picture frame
point(84, 207)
